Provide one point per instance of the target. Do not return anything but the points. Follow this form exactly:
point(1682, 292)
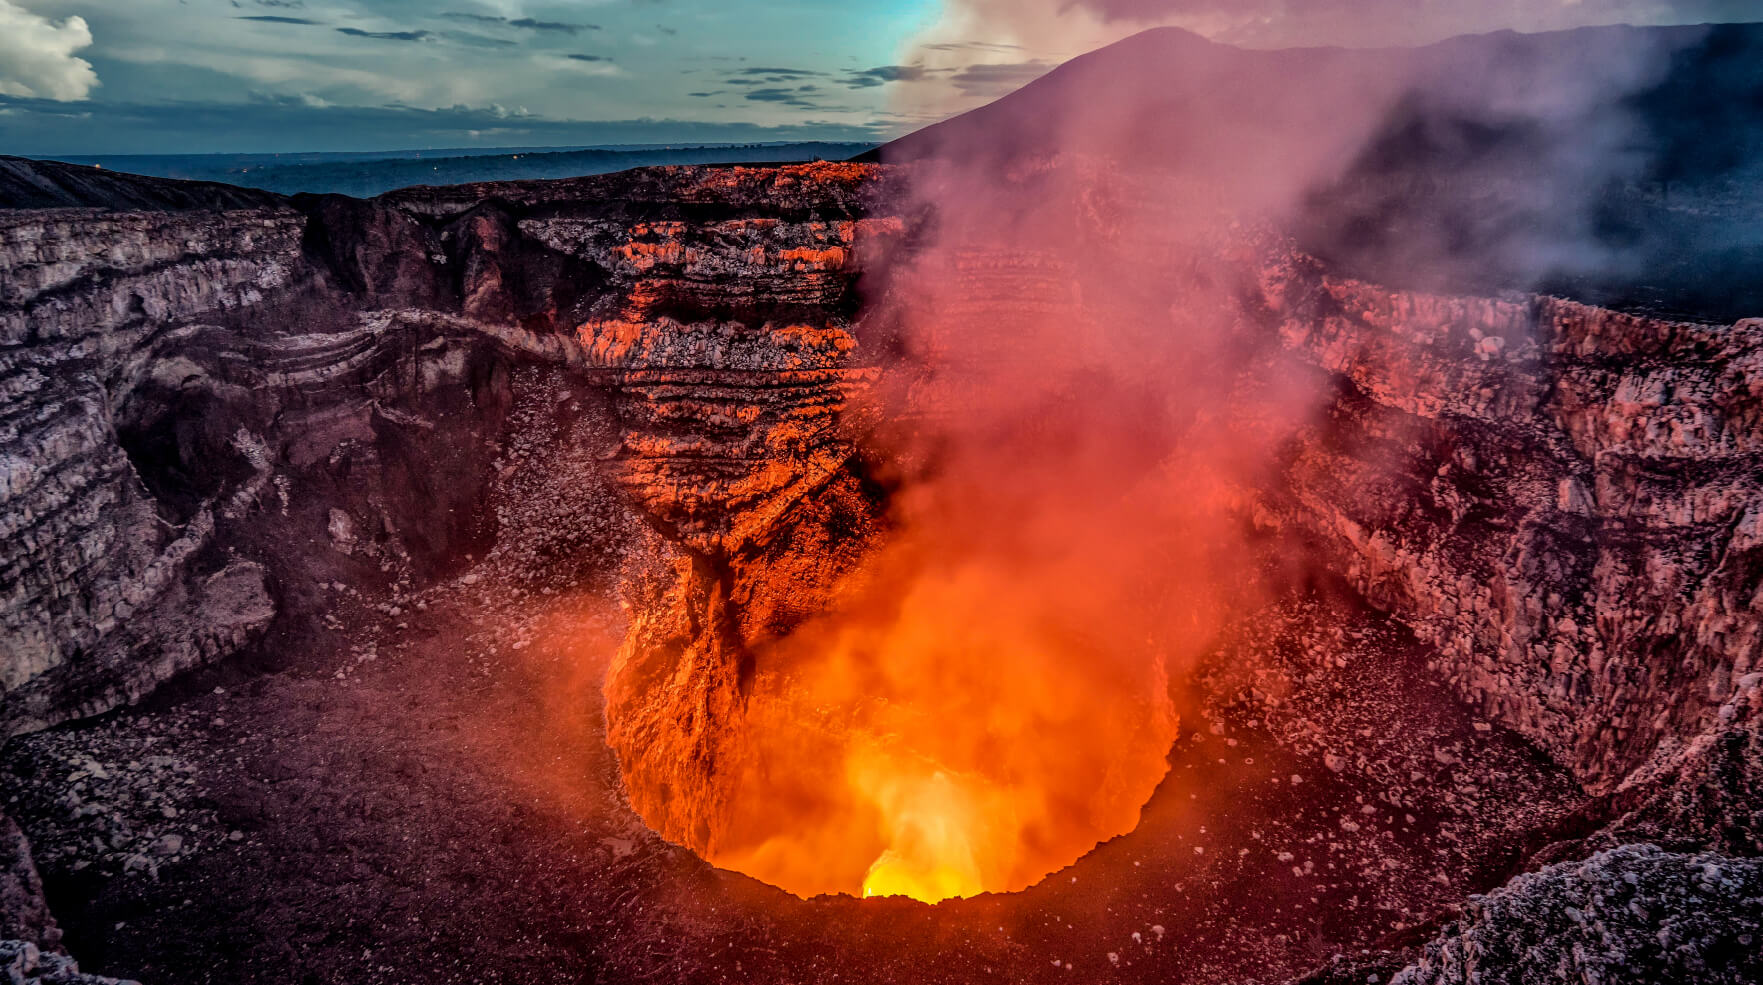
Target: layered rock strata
point(1564, 500)
point(196, 382)
point(170, 378)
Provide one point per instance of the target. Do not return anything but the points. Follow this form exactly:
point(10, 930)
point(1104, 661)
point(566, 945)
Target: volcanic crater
point(696, 573)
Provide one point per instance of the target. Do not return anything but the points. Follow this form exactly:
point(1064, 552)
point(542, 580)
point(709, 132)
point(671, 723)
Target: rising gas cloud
point(1085, 384)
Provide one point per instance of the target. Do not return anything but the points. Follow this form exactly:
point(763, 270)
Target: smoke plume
point(1086, 384)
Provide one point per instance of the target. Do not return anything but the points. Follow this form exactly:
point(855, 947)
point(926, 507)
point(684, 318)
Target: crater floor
point(428, 796)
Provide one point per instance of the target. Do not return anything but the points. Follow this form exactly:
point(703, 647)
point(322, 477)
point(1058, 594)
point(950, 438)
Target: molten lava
point(954, 728)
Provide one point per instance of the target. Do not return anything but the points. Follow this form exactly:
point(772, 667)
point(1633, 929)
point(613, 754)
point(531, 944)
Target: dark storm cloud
point(869, 78)
point(275, 19)
point(356, 32)
point(782, 73)
point(785, 97)
point(525, 23)
point(588, 58)
point(42, 127)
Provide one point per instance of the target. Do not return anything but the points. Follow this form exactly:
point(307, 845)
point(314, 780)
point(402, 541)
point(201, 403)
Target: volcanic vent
point(866, 693)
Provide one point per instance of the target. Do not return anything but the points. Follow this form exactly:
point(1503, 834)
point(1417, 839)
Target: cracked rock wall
point(100, 599)
point(1565, 500)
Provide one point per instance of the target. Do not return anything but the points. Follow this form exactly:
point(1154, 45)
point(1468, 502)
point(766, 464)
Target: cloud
point(37, 56)
point(275, 19)
point(991, 46)
point(1068, 27)
point(1157, 10)
point(882, 74)
point(356, 32)
point(525, 23)
point(579, 64)
point(785, 97)
point(477, 40)
point(782, 73)
point(772, 78)
point(533, 25)
point(1517, 14)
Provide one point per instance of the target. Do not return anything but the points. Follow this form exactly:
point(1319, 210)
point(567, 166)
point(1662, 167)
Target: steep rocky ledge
point(212, 405)
point(190, 395)
point(1565, 500)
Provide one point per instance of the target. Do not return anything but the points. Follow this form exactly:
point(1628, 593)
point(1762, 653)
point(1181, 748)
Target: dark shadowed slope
point(1616, 164)
point(27, 184)
point(366, 175)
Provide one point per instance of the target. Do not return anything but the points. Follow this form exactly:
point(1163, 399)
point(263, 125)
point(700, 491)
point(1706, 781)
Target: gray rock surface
point(1634, 915)
point(24, 916)
point(23, 963)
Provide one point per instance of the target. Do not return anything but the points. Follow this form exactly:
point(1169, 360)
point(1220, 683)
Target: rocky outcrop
point(1563, 499)
point(23, 963)
point(172, 379)
point(102, 599)
point(190, 392)
point(1634, 914)
point(1703, 796)
point(24, 916)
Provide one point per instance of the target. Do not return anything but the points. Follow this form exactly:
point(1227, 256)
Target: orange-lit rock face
point(915, 623)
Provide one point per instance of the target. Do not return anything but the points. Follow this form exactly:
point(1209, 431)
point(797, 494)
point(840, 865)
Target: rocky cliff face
point(1563, 499)
point(103, 600)
point(191, 392)
point(173, 381)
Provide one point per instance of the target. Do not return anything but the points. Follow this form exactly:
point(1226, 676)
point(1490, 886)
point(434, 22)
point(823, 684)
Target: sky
point(87, 77)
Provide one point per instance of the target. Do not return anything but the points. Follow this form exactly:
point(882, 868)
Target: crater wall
point(1563, 500)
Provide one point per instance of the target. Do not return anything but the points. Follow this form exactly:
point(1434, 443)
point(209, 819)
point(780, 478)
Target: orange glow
point(962, 678)
point(962, 722)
